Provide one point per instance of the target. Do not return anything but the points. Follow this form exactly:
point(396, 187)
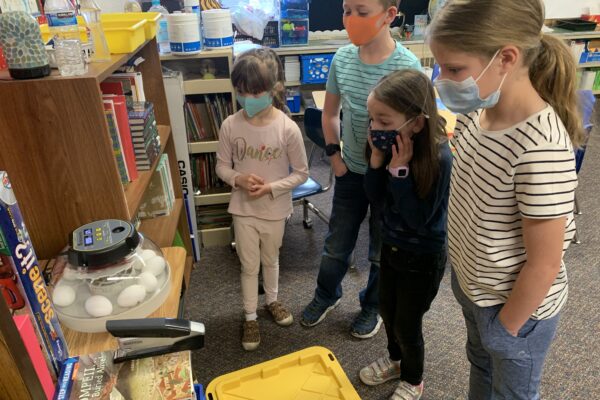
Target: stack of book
point(203, 172)
point(205, 114)
point(159, 198)
point(212, 217)
point(144, 134)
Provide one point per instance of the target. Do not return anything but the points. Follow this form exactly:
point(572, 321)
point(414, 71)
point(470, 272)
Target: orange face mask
point(361, 30)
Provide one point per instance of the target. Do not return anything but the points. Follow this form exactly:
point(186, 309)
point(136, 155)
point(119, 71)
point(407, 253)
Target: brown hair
point(411, 93)
point(552, 68)
point(260, 70)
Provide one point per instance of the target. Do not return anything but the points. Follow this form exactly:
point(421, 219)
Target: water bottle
point(69, 57)
point(132, 6)
point(162, 37)
point(91, 13)
point(62, 20)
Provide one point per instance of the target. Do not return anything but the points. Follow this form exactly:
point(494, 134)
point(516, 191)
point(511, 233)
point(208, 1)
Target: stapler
point(146, 337)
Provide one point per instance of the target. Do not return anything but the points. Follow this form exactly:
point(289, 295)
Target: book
point(120, 106)
point(109, 111)
point(96, 377)
point(16, 245)
point(139, 112)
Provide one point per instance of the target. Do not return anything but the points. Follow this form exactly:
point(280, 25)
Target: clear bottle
point(69, 58)
point(132, 6)
point(91, 13)
point(62, 19)
point(162, 36)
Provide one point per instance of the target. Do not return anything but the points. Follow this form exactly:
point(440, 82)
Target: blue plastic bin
point(315, 67)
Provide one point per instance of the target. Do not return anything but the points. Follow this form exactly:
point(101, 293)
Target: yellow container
point(83, 36)
point(124, 36)
point(151, 19)
point(309, 374)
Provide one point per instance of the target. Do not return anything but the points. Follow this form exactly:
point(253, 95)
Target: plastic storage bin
point(83, 37)
point(315, 67)
point(293, 99)
point(124, 36)
point(309, 374)
point(293, 32)
point(151, 19)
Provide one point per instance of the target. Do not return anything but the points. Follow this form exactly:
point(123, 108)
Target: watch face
point(402, 173)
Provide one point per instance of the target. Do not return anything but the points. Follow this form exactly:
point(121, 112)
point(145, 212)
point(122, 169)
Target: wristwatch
point(332, 148)
point(399, 172)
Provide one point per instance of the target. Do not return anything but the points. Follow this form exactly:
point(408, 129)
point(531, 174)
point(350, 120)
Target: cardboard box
point(15, 243)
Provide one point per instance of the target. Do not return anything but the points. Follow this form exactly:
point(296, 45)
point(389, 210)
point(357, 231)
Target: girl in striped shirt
point(510, 215)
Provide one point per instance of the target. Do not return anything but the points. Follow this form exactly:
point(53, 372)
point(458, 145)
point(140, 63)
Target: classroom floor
point(572, 369)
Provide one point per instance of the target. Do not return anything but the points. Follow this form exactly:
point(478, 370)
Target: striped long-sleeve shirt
point(497, 179)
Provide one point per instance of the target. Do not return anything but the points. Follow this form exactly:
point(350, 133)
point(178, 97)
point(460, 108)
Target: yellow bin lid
point(310, 374)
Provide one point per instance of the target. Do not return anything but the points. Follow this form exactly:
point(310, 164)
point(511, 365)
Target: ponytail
point(554, 76)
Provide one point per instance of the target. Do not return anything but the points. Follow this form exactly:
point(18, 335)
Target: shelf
point(596, 92)
point(134, 191)
point(299, 113)
point(80, 343)
point(187, 271)
point(97, 70)
point(208, 53)
point(207, 86)
point(215, 237)
point(589, 65)
point(570, 35)
point(293, 83)
point(161, 230)
point(213, 196)
point(203, 147)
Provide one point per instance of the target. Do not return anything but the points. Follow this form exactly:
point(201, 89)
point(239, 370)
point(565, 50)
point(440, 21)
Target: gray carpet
point(572, 369)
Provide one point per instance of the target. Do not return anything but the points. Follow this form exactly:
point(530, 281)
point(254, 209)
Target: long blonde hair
point(482, 27)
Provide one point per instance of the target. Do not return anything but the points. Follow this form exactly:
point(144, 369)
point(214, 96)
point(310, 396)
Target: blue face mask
point(254, 105)
point(463, 97)
point(385, 139)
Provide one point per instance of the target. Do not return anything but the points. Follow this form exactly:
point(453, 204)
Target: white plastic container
point(184, 33)
point(218, 32)
point(191, 6)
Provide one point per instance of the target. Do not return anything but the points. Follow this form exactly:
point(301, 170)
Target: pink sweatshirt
point(267, 151)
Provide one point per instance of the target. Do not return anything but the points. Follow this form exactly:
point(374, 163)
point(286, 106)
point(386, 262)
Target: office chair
point(587, 101)
point(312, 187)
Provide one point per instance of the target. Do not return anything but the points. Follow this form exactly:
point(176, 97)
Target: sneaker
point(250, 335)
point(406, 391)
point(316, 311)
point(280, 314)
point(380, 371)
point(366, 324)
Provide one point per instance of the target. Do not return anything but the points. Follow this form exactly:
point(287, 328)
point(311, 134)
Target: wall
point(570, 9)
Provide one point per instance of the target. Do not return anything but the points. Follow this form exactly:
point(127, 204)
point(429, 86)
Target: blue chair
point(587, 101)
point(300, 195)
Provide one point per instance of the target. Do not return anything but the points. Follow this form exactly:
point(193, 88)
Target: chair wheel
point(307, 224)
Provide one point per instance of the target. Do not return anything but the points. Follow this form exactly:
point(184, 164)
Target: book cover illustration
point(96, 377)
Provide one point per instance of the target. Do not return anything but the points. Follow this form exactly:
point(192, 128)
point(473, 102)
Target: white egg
point(69, 274)
point(98, 306)
point(131, 296)
point(63, 295)
point(137, 263)
point(155, 265)
point(148, 281)
point(148, 254)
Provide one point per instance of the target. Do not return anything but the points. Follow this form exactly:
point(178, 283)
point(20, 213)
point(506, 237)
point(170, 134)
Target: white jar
point(184, 33)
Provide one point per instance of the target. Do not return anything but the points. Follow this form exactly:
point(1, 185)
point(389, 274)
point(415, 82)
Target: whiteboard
point(570, 8)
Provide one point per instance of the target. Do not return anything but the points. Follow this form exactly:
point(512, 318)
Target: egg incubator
point(109, 271)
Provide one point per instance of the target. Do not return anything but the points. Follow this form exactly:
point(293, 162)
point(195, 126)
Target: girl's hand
point(403, 151)
point(377, 156)
point(248, 181)
point(260, 190)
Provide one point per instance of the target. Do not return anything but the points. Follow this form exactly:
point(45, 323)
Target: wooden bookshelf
point(213, 196)
point(207, 86)
point(209, 146)
point(162, 229)
point(85, 343)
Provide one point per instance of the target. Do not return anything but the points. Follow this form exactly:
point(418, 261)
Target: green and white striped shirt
point(352, 80)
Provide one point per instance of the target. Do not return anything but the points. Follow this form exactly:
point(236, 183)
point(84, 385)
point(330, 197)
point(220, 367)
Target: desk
point(319, 98)
point(80, 343)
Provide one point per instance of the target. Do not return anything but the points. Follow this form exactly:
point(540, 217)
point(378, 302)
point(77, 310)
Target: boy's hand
point(403, 151)
point(247, 181)
point(377, 156)
point(339, 166)
point(260, 190)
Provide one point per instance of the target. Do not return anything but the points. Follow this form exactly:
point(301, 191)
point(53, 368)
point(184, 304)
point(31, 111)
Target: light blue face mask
point(254, 105)
point(463, 97)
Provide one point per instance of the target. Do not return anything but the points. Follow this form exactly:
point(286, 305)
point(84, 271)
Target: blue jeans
point(350, 206)
point(503, 366)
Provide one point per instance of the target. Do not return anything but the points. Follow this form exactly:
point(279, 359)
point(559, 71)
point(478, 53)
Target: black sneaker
point(315, 312)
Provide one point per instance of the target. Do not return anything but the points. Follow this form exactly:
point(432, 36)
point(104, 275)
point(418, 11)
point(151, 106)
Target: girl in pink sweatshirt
point(258, 147)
